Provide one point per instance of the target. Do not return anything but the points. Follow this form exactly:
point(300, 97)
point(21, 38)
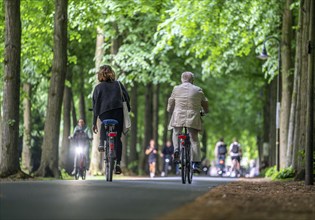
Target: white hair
point(187, 77)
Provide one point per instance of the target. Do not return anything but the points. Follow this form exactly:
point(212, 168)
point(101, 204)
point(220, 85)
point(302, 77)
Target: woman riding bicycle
point(107, 104)
point(186, 102)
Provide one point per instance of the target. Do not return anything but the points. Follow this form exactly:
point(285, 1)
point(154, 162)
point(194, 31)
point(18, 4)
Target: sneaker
point(117, 169)
point(101, 149)
point(196, 167)
point(176, 157)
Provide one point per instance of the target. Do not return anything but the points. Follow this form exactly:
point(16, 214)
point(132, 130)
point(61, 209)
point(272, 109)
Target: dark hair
point(221, 139)
point(106, 73)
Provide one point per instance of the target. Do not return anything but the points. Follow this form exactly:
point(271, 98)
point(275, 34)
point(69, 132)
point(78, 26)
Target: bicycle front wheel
point(189, 168)
point(183, 164)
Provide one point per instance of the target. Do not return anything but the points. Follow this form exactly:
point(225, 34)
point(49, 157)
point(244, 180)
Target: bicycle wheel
point(183, 163)
point(111, 169)
point(189, 168)
point(77, 174)
point(107, 159)
point(83, 174)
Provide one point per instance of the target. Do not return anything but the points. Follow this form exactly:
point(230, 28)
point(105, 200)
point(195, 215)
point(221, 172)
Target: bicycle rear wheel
point(111, 168)
point(183, 164)
point(110, 163)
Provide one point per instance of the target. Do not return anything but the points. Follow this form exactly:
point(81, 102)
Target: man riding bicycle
point(220, 152)
point(167, 154)
point(236, 153)
point(81, 137)
point(186, 103)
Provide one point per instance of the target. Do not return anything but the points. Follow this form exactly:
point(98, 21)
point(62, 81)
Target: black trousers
point(118, 115)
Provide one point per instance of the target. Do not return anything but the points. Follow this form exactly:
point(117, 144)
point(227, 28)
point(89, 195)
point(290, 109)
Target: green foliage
point(159, 39)
point(11, 122)
point(65, 175)
point(284, 173)
point(270, 172)
point(217, 31)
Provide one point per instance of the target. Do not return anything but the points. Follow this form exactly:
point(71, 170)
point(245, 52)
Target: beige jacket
point(186, 102)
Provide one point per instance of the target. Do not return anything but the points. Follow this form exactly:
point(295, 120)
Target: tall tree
point(294, 111)
point(82, 98)
point(155, 122)
point(96, 159)
point(9, 158)
point(148, 119)
point(310, 144)
point(286, 78)
point(301, 120)
point(64, 156)
point(27, 116)
point(49, 158)
point(133, 131)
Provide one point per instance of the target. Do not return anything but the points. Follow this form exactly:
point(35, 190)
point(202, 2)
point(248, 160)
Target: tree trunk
point(155, 125)
point(266, 128)
point(302, 97)
point(166, 121)
point(65, 145)
point(9, 156)
point(133, 131)
point(73, 111)
point(82, 99)
point(309, 161)
point(286, 86)
point(96, 164)
point(124, 160)
point(49, 159)
point(148, 131)
point(204, 141)
point(26, 150)
point(292, 131)
point(272, 127)
point(297, 81)
point(0, 130)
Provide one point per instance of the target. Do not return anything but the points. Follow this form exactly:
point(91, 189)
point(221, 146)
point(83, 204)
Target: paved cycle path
point(132, 198)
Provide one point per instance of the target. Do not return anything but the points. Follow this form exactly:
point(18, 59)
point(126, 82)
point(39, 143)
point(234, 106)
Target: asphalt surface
point(133, 198)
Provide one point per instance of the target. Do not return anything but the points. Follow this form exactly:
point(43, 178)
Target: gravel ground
point(252, 199)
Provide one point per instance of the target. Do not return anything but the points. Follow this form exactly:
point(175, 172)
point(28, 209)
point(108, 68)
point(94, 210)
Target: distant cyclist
point(236, 153)
point(151, 151)
point(167, 154)
point(220, 148)
point(186, 103)
point(81, 137)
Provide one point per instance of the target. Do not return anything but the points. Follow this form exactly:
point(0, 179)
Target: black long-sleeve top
point(107, 96)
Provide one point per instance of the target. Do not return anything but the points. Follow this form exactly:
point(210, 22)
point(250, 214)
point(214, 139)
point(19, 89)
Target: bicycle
point(185, 156)
point(80, 160)
point(109, 149)
point(80, 169)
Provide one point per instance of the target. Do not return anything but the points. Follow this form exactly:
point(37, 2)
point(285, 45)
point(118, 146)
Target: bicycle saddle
point(110, 122)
